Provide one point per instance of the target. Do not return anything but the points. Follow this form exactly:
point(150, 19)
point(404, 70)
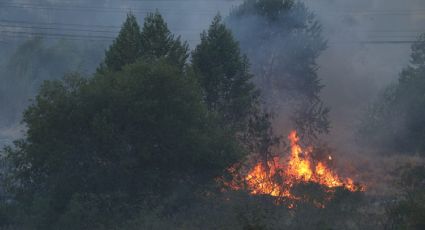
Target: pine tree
point(224, 74)
point(126, 48)
point(159, 42)
point(154, 42)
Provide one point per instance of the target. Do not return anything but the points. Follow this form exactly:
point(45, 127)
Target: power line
point(56, 35)
point(59, 24)
point(389, 42)
point(78, 27)
point(25, 34)
point(37, 26)
point(374, 42)
point(109, 39)
point(381, 39)
point(105, 9)
point(58, 28)
point(91, 28)
point(111, 34)
point(174, 11)
point(18, 36)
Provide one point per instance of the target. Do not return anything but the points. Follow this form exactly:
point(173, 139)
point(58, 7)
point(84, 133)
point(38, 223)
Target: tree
point(283, 40)
point(126, 48)
point(224, 75)
point(155, 41)
point(395, 121)
point(143, 130)
point(158, 41)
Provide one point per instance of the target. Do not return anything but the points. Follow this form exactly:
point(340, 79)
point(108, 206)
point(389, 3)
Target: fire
point(279, 175)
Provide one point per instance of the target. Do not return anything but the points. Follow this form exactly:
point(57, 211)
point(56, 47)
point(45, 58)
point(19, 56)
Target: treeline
point(146, 127)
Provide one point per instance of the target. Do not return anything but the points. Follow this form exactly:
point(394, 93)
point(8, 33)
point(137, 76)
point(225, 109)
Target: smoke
point(368, 45)
point(361, 59)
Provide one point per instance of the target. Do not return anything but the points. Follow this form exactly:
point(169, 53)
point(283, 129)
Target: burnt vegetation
point(147, 140)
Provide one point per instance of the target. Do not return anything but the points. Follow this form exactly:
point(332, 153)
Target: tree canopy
point(137, 130)
point(224, 74)
point(158, 41)
point(126, 48)
point(154, 41)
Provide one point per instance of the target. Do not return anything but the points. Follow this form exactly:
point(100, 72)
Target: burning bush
point(286, 178)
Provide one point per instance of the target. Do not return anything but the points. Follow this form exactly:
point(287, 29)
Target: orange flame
point(277, 176)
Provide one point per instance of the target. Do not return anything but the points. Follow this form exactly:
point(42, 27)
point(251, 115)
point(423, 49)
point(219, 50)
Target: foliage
point(224, 75)
point(283, 39)
point(228, 91)
point(395, 121)
point(143, 130)
point(96, 148)
point(153, 42)
point(158, 42)
point(126, 48)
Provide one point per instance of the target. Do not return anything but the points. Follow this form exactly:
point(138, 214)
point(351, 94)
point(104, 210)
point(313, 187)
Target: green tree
point(140, 131)
point(395, 121)
point(158, 41)
point(224, 75)
point(155, 41)
point(228, 91)
point(126, 48)
point(283, 39)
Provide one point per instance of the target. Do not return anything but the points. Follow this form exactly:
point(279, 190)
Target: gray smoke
point(361, 59)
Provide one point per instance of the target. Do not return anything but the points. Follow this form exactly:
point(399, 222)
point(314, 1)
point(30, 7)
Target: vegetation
point(96, 149)
point(117, 134)
point(395, 122)
point(155, 41)
point(143, 142)
point(126, 48)
point(224, 75)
